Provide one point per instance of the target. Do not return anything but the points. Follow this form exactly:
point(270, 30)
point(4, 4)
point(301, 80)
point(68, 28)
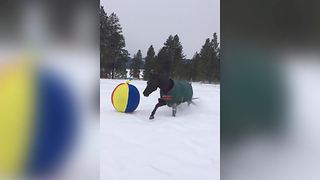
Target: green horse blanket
point(181, 92)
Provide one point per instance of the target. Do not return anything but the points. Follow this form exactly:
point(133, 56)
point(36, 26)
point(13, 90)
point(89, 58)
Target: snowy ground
point(186, 147)
point(294, 153)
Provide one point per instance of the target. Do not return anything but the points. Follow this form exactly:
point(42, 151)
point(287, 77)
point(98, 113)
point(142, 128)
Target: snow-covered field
point(185, 147)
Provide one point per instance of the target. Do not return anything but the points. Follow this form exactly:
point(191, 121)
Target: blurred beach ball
point(125, 97)
point(37, 121)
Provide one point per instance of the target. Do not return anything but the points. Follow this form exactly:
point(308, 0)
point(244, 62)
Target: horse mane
point(166, 83)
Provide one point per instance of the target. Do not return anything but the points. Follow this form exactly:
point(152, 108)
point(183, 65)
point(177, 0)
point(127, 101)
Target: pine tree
point(178, 59)
point(149, 63)
point(113, 56)
point(166, 56)
point(195, 67)
point(215, 64)
point(209, 66)
point(104, 40)
point(186, 70)
point(204, 67)
point(171, 58)
point(120, 65)
point(136, 64)
point(162, 62)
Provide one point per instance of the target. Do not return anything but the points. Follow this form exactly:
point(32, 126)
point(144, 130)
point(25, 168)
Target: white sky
point(150, 22)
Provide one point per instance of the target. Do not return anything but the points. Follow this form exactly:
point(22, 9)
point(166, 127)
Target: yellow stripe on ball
point(16, 116)
point(120, 97)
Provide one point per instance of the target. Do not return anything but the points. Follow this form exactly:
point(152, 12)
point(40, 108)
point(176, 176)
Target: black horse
point(166, 85)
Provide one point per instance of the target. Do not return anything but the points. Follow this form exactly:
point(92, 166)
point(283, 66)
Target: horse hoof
point(151, 117)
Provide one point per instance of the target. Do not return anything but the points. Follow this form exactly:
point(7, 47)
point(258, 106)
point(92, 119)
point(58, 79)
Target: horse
point(172, 92)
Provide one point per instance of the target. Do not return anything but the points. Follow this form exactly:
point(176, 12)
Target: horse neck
point(165, 85)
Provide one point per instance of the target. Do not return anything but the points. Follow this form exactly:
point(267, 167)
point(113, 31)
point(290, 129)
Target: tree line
point(115, 59)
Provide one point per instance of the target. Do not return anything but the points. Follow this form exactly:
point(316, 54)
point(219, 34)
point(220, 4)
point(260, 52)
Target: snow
point(294, 153)
point(185, 147)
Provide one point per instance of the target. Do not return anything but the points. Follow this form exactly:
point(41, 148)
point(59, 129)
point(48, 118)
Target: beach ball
point(125, 97)
point(37, 121)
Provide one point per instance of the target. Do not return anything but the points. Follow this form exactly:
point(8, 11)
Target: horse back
point(181, 92)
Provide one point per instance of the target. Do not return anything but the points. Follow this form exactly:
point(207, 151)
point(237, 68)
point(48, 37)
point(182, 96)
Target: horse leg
point(159, 104)
point(174, 110)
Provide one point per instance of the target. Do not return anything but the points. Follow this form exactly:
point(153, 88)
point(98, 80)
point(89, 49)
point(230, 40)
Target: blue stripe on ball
point(134, 98)
point(54, 125)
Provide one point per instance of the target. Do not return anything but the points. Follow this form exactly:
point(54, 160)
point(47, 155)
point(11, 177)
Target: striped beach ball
point(36, 121)
point(125, 97)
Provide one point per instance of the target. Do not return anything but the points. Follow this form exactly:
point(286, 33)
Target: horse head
point(152, 84)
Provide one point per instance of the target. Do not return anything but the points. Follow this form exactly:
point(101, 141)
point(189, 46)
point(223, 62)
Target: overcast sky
point(150, 22)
